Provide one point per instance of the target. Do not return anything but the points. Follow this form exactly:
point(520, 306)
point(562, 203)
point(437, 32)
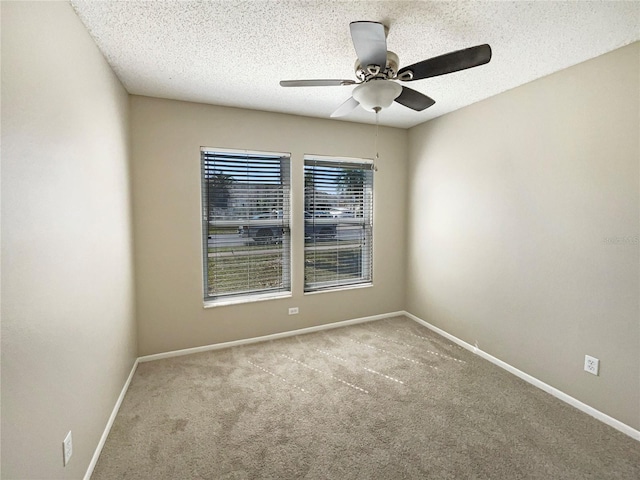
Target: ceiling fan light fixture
point(377, 94)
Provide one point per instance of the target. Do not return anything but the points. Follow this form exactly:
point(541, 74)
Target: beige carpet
point(381, 400)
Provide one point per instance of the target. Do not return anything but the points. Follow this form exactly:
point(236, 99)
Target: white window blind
point(338, 223)
point(246, 241)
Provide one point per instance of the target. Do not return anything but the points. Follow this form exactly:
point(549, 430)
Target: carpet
point(382, 400)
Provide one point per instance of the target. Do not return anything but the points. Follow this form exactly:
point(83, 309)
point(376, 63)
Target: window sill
point(246, 299)
point(339, 289)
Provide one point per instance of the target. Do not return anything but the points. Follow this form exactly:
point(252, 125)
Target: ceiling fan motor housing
point(389, 71)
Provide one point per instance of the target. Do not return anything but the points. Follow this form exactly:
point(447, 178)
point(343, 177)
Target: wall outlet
point(591, 364)
point(293, 311)
point(67, 448)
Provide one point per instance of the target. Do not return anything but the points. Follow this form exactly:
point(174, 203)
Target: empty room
point(320, 239)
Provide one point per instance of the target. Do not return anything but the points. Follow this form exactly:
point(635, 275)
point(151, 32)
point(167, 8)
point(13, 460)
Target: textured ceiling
point(234, 53)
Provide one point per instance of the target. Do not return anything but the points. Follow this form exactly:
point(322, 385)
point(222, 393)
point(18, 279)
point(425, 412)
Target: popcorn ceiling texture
point(234, 53)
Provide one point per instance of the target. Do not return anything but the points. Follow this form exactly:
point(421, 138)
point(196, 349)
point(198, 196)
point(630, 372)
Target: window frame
point(285, 220)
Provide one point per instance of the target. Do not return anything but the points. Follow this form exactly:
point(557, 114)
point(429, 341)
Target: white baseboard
point(603, 417)
point(618, 425)
point(275, 336)
point(112, 418)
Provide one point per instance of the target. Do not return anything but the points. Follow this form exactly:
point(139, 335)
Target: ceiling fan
point(377, 72)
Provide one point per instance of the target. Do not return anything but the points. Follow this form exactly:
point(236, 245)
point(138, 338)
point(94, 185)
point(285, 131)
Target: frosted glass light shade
point(377, 94)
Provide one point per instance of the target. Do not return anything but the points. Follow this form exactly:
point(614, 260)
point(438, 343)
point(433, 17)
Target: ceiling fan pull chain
point(377, 156)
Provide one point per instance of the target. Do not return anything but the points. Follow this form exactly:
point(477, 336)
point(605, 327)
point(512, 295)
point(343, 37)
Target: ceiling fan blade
point(346, 108)
point(370, 43)
point(415, 100)
point(315, 83)
point(447, 63)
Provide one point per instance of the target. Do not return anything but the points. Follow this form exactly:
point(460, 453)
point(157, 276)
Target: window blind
point(246, 221)
point(338, 223)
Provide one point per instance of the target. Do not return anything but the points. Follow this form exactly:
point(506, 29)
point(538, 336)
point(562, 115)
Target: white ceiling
point(234, 53)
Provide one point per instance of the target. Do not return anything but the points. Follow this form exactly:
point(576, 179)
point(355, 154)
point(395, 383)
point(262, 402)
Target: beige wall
point(166, 140)
point(523, 228)
point(68, 332)
point(521, 234)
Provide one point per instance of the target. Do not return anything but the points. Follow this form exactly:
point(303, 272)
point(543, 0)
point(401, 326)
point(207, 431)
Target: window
point(245, 212)
point(338, 222)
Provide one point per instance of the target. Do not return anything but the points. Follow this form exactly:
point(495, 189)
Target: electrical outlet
point(67, 448)
point(591, 364)
point(293, 311)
